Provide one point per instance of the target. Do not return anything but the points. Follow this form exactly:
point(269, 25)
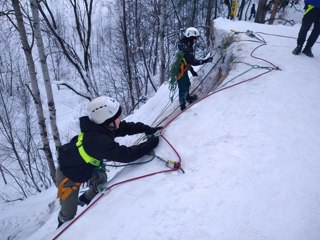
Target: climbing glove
point(152, 130)
point(193, 72)
point(208, 60)
point(153, 141)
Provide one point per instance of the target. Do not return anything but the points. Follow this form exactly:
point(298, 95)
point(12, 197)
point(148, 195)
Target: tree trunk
point(45, 73)
point(3, 176)
point(261, 11)
point(274, 11)
point(35, 88)
point(161, 40)
point(193, 12)
point(127, 60)
point(249, 4)
point(215, 9)
point(178, 18)
point(242, 5)
point(208, 29)
point(227, 2)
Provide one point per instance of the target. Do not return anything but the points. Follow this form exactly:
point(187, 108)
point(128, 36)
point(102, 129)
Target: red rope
point(122, 182)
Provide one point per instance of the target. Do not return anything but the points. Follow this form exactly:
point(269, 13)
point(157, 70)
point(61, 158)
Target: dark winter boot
point(297, 50)
point(83, 200)
point(59, 223)
point(307, 51)
point(182, 107)
point(190, 99)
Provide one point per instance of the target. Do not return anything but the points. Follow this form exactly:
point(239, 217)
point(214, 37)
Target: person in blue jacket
point(80, 160)
point(311, 16)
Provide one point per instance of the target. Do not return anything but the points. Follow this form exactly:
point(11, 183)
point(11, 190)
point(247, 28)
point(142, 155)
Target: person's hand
point(152, 130)
point(193, 72)
point(153, 141)
point(209, 59)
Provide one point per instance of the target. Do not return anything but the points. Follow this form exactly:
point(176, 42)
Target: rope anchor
point(171, 164)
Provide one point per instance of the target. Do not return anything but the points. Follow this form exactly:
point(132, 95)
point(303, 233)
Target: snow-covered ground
point(250, 155)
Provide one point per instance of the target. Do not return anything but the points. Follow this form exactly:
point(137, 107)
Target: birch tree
point(34, 87)
point(45, 73)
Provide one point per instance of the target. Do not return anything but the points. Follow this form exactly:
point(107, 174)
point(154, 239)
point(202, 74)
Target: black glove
point(208, 60)
point(152, 130)
point(152, 142)
point(193, 72)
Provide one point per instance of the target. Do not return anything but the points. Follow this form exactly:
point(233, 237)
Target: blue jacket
point(315, 3)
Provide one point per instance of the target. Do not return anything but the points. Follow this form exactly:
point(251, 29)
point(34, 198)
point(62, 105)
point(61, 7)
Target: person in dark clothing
point(81, 159)
point(186, 46)
point(311, 16)
point(253, 12)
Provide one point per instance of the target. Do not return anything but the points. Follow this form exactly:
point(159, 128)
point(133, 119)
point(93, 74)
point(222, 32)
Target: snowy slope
point(250, 155)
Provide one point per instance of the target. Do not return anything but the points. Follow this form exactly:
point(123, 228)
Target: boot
point(308, 52)
point(83, 200)
point(182, 107)
point(59, 223)
point(297, 50)
point(190, 99)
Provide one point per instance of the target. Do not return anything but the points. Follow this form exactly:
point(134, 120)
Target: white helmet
point(104, 110)
point(192, 32)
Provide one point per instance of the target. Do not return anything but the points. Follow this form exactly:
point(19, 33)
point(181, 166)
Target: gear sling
point(64, 191)
point(183, 68)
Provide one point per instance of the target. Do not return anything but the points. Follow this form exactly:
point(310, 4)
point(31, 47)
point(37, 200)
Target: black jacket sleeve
point(188, 53)
point(130, 128)
point(192, 60)
point(120, 153)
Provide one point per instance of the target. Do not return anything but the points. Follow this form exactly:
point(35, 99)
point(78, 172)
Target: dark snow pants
point(184, 86)
point(69, 206)
point(311, 17)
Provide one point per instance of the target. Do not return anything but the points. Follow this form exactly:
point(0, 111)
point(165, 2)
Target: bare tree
point(240, 12)
point(261, 11)
point(35, 88)
point(18, 182)
point(8, 133)
point(208, 29)
point(162, 17)
point(45, 73)
point(274, 11)
point(3, 176)
point(18, 144)
point(83, 65)
point(124, 31)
